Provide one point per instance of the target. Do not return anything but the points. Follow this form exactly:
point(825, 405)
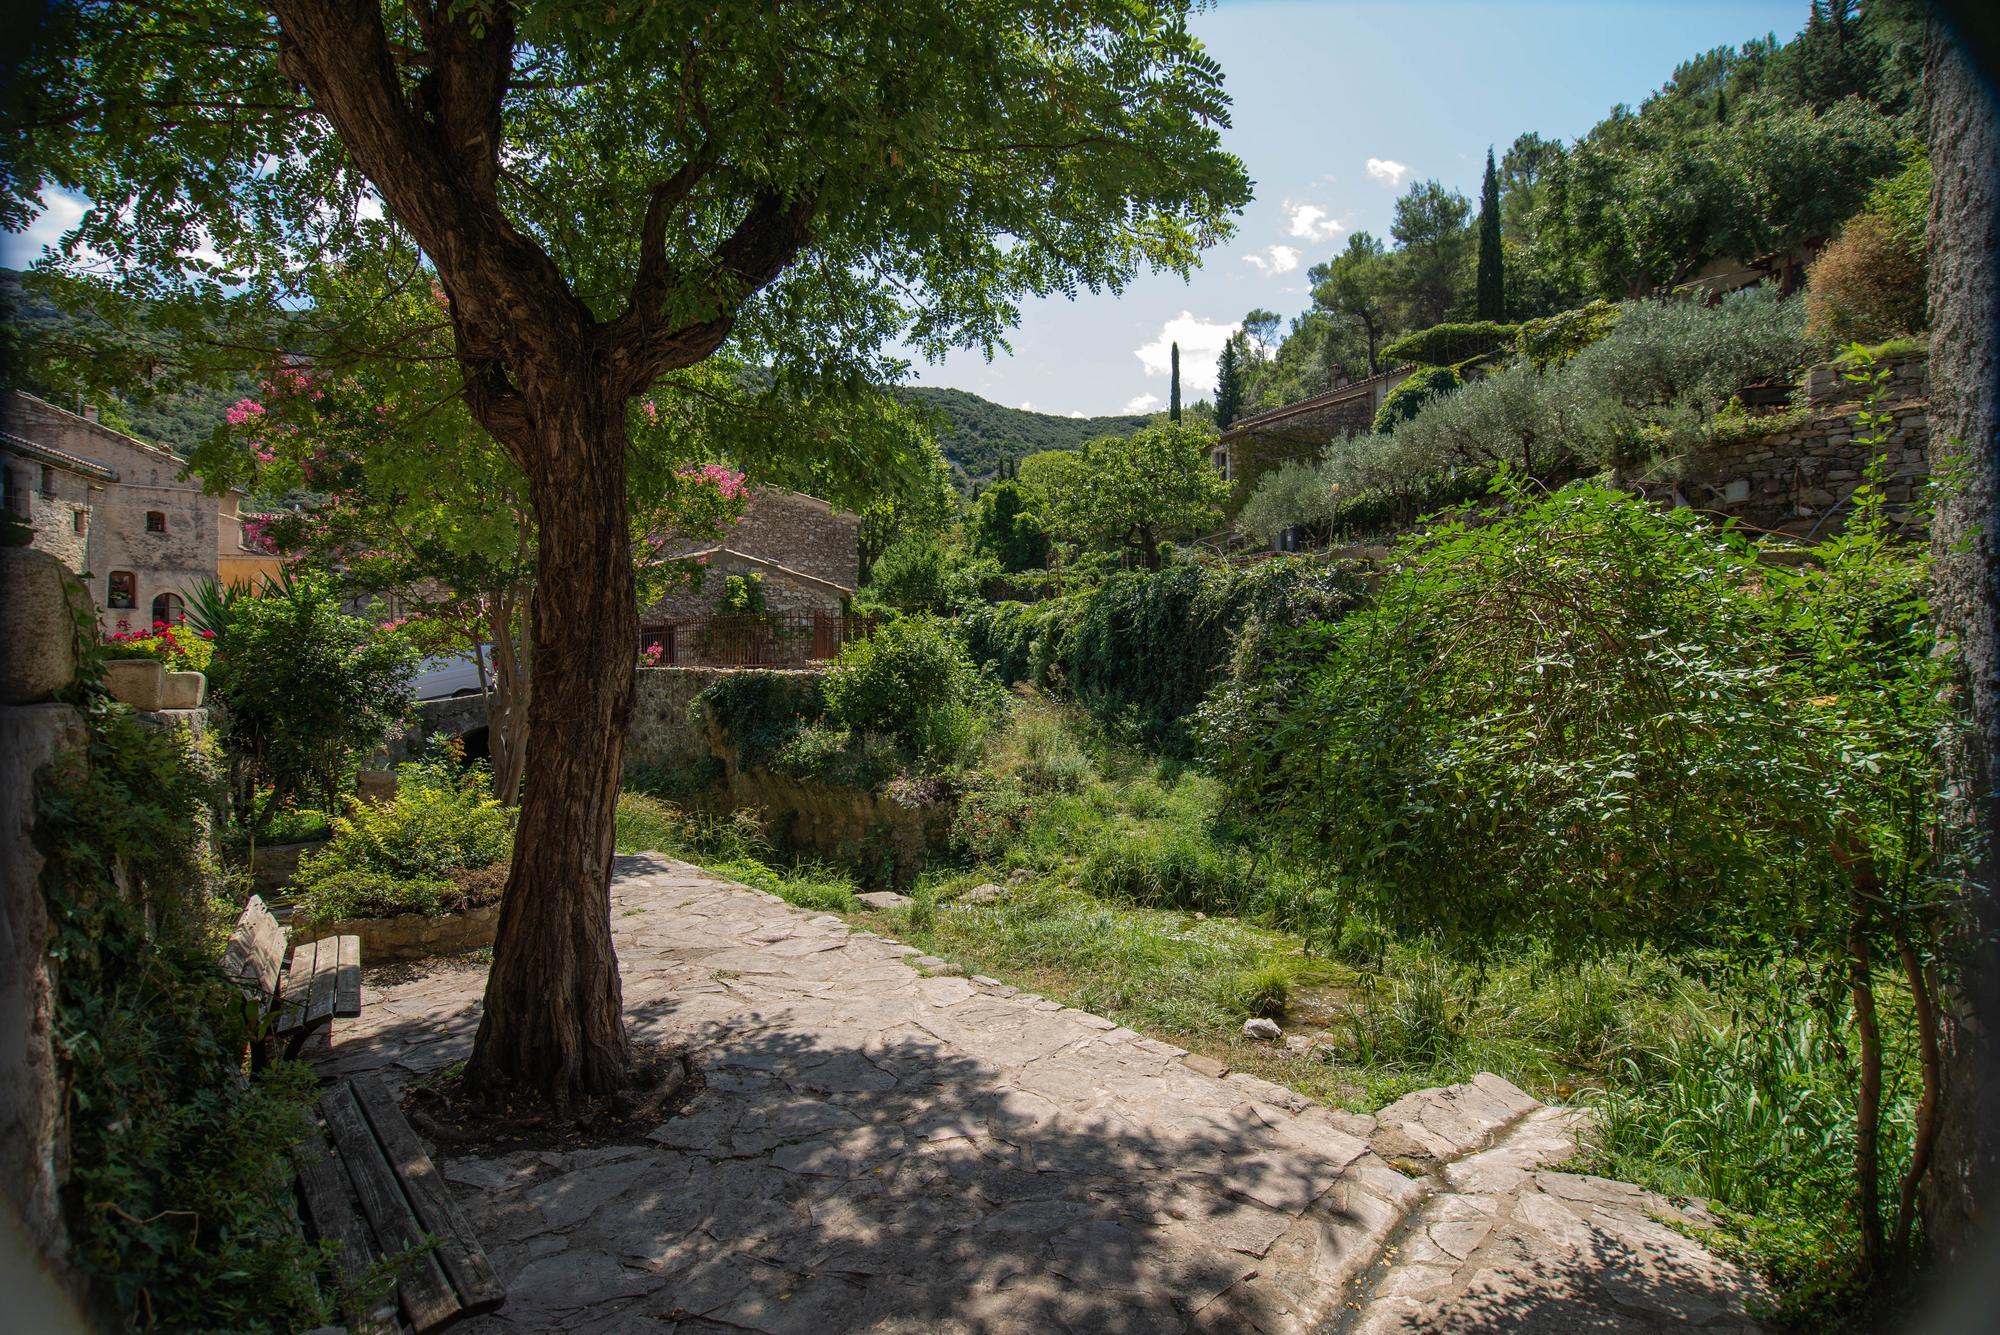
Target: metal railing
point(751, 639)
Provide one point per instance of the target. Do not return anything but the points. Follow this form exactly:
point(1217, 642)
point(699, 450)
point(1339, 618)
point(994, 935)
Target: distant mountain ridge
point(980, 434)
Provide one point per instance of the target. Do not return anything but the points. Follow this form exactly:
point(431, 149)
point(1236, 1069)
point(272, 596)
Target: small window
point(168, 610)
point(76, 521)
point(156, 521)
point(48, 480)
point(123, 590)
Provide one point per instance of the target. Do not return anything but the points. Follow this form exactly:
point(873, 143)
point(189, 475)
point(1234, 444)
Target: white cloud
point(1201, 343)
point(20, 249)
point(1312, 222)
point(1076, 412)
point(1027, 405)
point(1145, 403)
point(1278, 259)
point(1387, 170)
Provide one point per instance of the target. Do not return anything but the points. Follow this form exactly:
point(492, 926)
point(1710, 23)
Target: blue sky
point(1320, 89)
point(1338, 105)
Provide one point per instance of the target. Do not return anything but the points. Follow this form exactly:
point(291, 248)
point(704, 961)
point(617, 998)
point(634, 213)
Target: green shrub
point(361, 892)
point(1449, 344)
point(1173, 865)
point(441, 819)
point(178, 648)
point(910, 680)
point(920, 573)
point(990, 818)
point(759, 711)
point(1418, 388)
point(179, 1205)
point(1555, 339)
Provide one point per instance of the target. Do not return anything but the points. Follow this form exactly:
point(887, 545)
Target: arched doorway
point(169, 608)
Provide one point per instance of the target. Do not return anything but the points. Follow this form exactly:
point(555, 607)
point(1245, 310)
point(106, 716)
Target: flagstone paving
point(883, 1149)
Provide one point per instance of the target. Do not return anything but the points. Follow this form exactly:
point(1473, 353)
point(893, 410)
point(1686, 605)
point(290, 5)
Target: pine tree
point(1492, 288)
point(1228, 387)
point(1174, 394)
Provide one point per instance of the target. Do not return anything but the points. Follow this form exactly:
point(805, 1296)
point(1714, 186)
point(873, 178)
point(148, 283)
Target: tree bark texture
point(1965, 422)
point(553, 1017)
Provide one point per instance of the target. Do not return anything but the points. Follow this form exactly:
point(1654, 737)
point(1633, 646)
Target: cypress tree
point(1228, 387)
point(1174, 394)
point(1492, 288)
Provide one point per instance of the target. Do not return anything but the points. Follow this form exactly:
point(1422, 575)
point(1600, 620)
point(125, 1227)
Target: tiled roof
point(1351, 390)
point(49, 454)
point(755, 559)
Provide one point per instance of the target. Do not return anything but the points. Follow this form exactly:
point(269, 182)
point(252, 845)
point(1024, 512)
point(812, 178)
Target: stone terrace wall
point(1799, 480)
point(662, 732)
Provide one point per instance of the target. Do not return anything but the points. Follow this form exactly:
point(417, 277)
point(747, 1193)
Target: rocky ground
point(881, 1147)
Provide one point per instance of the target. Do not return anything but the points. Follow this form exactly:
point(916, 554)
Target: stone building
point(805, 557)
point(126, 516)
point(1253, 446)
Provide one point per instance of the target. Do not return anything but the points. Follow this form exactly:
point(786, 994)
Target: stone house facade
point(1253, 446)
point(804, 553)
point(124, 515)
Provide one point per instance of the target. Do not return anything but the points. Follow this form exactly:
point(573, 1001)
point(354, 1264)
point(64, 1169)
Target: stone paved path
point(879, 1150)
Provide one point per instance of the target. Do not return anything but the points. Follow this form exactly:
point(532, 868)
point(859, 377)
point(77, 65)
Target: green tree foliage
point(980, 438)
point(911, 681)
point(1135, 492)
point(1434, 251)
point(1871, 281)
point(1174, 391)
point(1228, 386)
point(1490, 288)
point(1450, 344)
point(1005, 526)
point(1359, 286)
point(305, 690)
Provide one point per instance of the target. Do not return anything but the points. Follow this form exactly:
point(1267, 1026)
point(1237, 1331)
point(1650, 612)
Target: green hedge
point(1450, 344)
point(1142, 651)
point(1424, 384)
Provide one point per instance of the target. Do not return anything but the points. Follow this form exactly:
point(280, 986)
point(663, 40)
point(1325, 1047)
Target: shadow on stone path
point(882, 1151)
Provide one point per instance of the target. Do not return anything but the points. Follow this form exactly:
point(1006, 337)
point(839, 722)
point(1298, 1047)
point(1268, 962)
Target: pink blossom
point(727, 482)
point(265, 456)
point(651, 409)
point(243, 410)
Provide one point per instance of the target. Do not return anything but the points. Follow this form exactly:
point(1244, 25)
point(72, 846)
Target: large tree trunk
point(553, 1025)
point(1965, 421)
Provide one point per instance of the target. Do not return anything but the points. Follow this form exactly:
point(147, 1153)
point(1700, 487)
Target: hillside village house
point(805, 556)
point(124, 515)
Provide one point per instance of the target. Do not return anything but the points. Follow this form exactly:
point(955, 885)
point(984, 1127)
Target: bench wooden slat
point(323, 1188)
point(298, 987)
point(426, 1295)
point(458, 1248)
point(347, 984)
point(256, 953)
point(326, 975)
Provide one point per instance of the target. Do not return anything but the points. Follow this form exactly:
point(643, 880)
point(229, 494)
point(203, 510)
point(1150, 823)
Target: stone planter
point(184, 690)
point(413, 936)
point(138, 682)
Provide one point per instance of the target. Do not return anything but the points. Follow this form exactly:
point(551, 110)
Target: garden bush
point(911, 680)
point(1555, 339)
point(364, 892)
point(179, 1204)
point(1870, 282)
point(442, 819)
point(1449, 344)
point(1423, 385)
point(178, 648)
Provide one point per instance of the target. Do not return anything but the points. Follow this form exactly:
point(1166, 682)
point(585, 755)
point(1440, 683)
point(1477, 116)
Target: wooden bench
point(371, 1156)
point(322, 985)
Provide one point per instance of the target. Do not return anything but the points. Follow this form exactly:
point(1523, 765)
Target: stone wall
point(1255, 445)
point(1799, 480)
point(414, 936)
point(453, 717)
point(663, 734)
point(57, 501)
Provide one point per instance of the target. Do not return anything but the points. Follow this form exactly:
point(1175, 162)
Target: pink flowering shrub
point(242, 411)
